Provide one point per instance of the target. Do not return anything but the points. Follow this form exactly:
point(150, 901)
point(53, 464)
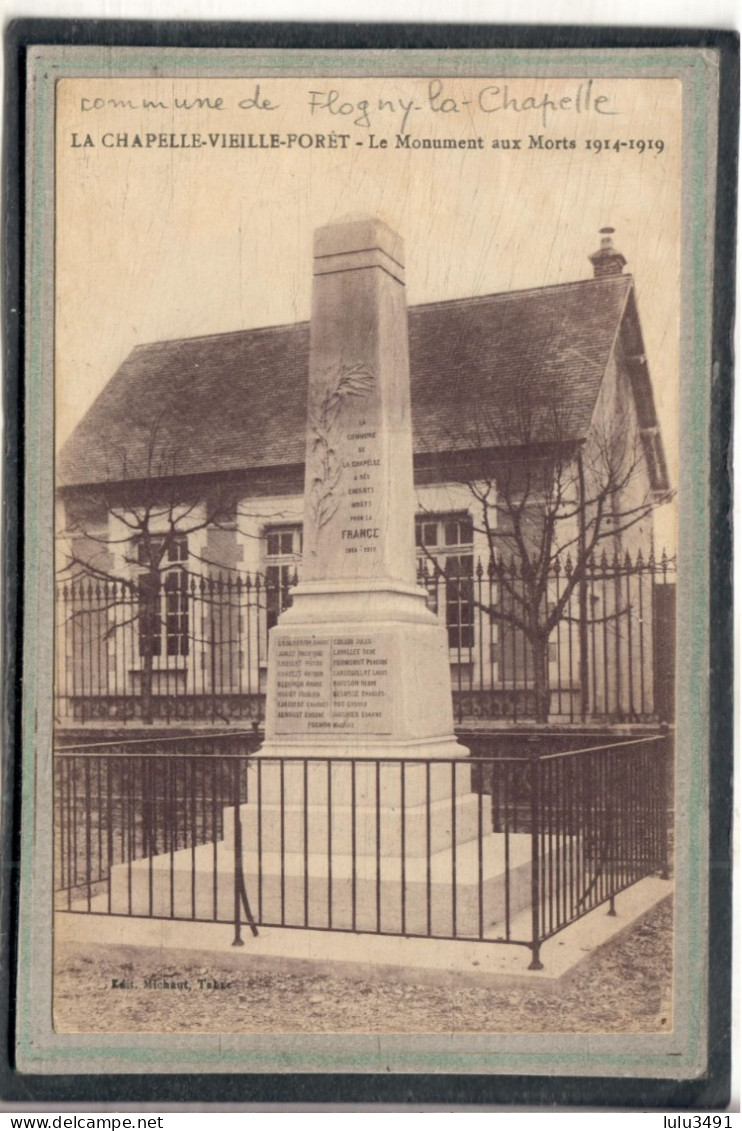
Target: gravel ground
point(626, 987)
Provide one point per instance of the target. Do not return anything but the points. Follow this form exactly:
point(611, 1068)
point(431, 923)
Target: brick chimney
point(607, 261)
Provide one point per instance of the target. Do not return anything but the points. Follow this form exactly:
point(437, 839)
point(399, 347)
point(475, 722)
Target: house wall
point(615, 423)
point(226, 622)
point(621, 669)
point(225, 618)
point(82, 619)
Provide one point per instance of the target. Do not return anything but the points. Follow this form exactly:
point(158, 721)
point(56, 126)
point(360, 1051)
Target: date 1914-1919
point(639, 144)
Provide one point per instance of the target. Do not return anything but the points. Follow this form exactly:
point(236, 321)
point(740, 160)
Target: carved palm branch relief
point(345, 382)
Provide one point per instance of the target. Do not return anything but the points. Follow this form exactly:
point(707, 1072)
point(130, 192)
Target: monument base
point(360, 674)
point(360, 814)
point(354, 844)
point(338, 892)
point(365, 748)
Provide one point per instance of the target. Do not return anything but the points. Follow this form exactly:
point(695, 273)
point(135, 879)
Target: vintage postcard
point(366, 684)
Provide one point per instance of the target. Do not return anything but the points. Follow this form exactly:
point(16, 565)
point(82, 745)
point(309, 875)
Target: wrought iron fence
point(196, 647)
point(499, 850)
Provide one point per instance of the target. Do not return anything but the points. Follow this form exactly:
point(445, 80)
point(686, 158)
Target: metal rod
point(353, 862)
point(428, 862)
point(282, 803)
point(329, 842)
point(306, 842)
point(535, 775)
point(403, 848)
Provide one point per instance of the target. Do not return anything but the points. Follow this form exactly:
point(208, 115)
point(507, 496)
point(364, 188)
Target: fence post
point(666, 746)
point(240, 892)
point(238, 939)
point(612, 799)
point(582, 595)
point(535, 774)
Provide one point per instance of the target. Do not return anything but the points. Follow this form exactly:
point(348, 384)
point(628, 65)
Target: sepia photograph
point(376, 386)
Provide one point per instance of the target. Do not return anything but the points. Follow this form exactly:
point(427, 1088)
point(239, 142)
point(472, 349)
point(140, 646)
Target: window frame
point(172, 582)
point(285, 562)
point(454, 542)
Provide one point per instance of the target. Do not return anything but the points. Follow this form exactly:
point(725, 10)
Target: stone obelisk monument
point(358, 664)
point(359, 814)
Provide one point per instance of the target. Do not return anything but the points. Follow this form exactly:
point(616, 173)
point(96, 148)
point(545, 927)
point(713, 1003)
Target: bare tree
point(132, 537)
point(550, 503)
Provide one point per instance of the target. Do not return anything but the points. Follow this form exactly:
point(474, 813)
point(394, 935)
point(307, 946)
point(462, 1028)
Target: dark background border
point(527, 1092)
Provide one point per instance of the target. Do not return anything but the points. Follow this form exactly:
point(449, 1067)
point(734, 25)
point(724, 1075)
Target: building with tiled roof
point(235, 403)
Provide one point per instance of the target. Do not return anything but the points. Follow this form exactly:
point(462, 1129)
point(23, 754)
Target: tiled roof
point(235, 401)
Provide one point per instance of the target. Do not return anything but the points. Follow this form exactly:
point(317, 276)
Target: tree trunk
point(583, 652)
point(149, 629)
point(540, 652)
point(146, 681)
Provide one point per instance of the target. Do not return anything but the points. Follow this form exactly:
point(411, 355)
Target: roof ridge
point(463, 300)
point(523, 291)
point(220, 334)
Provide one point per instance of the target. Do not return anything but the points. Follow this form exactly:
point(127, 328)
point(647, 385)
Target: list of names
point(330, 685)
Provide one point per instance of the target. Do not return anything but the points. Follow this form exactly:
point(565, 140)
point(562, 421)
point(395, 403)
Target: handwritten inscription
point(256, 101)
point(332, 685)
point(435, 99)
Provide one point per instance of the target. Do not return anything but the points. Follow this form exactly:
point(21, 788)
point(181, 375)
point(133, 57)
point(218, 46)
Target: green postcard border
point(676, 1056)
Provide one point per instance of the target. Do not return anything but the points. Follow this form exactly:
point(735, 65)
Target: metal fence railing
point(500, 850)
point(196, 648)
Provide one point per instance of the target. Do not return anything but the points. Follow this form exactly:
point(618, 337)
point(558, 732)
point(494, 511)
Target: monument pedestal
point(359, 673)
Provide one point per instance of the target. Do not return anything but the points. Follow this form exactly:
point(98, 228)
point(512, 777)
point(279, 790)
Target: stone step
point(318, 781)
point(422, 832)
point(321, 892)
